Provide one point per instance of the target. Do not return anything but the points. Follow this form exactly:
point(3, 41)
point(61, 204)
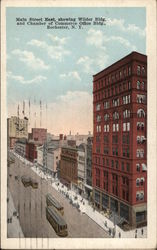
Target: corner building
point(119, 147)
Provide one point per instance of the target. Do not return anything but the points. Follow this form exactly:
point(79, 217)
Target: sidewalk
point(13, 228)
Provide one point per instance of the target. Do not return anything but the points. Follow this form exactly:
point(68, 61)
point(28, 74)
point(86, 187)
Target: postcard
point(78, 124)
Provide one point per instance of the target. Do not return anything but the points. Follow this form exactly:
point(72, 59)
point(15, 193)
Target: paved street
point(30, 204)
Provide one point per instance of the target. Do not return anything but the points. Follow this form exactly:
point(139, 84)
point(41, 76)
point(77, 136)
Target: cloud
point(54, 51)
point(120, 24)
point(36, 79)
point(58, 40)
point(100, 40)
point(87, 63)
point(91, 65)
point(30, 60)
point(72, 74)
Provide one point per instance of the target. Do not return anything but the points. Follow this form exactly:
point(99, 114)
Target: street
point(30, 204)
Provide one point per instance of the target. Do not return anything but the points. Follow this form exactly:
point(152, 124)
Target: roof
point(58, 218)
point(131, 55)
point(54, 201)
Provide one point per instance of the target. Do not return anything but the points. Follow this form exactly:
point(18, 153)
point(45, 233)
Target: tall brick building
point(119, 145)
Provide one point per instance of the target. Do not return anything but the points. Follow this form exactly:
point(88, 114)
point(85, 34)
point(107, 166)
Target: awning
point(144, 167)
point(89, 187)
point(141, 208)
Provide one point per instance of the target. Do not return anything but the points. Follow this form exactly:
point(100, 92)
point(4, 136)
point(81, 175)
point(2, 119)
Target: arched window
point(140, 113)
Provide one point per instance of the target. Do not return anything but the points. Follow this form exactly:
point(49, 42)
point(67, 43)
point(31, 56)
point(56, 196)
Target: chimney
point(61, 137)
point(65, 137)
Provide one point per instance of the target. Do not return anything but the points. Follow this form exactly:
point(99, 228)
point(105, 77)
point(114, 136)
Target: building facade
point(88, 175)
point(38, 134)
point(68, 167)
point(20, 146)
point(119, 144)
point(81, 149)
point(16, 128)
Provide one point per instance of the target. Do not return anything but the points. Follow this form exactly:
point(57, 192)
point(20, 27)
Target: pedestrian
point(135, 235)
point(119, 234)
point(142, 231)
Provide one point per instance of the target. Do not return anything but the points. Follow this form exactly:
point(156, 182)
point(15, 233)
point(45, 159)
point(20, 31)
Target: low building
point(31, 150)
point(69, 166)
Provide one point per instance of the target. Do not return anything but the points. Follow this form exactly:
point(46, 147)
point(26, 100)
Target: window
point(126, 113)
point(124, 152)
point(98, 106)
point(106, 105)
point(117, 127)
point(113, 151)
point(106, 128)
point(97, 172)
point(142, 85)
point(138, 167)
point(143, 71)
point(137, 182)
point(97, 149)
point(117, 165)
point(138, 153)
point(98, 128)
point(142, 195)
point(115, 115)
point(114, 127)
point(142, 153)
point(97, 182)
point(138, 84)
point(120, 87)
point(122, 166)
point(98, 118)
point(138, 70)
point(123, 194)
point(137, 196)
point(129, 85)
point(107, 162)
point(141, 99)
point(106, 150)
point(140, 113)
point(128, 167)
point(128, 152)
point(105, 139)
point(106, 117)
point(129, 70)
point(128, 126)
point(112, 163)
point(124, 126)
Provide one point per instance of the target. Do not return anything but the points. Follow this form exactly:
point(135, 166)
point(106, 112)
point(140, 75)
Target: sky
point(55, 67)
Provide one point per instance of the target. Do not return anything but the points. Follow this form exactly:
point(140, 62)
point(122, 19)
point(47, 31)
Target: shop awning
point(144, 167)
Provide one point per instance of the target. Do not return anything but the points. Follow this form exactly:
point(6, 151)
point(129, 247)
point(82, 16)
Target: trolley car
point(26, 181)
point(51, 201)
point(57, 222)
